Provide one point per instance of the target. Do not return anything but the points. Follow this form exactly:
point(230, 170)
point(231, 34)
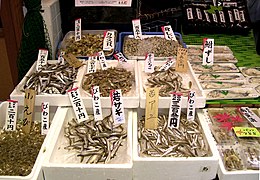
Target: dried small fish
point(187, 141)
point(221, 84)
point(109, 79)
point(255, 80)
point(214, 68)
point(219, 76)
point(232, 160)
point(52, 79)
point(96, 141)
point(251, 71)
point(228, 94)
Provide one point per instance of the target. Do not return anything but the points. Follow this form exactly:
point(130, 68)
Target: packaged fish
point(251, 153)
point(223, 135)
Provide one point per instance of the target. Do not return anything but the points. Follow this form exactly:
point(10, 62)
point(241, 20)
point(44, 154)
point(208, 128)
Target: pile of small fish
point(109, 79)
point(251, 71)
point(52, 79)
point(167, 81)
point(228, 93)
point(232, 160)
point(252, 154)
point(96, 141)
point(221, 84)
point(18, 151)
point(220, 76)
point(214, 68)
point(186, 141)
point(157, 45)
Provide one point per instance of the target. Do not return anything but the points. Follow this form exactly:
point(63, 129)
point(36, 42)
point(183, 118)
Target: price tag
point(137, 28)
point(77, 104)
point(231, 18)
point(237, 15)
point(96, 103)
point(167, 65)
point(246, 132)
point(182, 58)
point(222, 17)
point(189, 13)
point(208, 51)
point(199, 15)
point(78, 29)
point(149, 63)
point(92, 64)
point(45, 118)
point(102, 60)
point(191, 106)
point(214, 17)
point(72, 60)
point(120, 57)
point(175, 111)
point(168, 33)
point(250, 116)
point(117, 106)
point(29, 101)
point(42, 59)
point(108, 42)
point(151, 108)
point(60, 57)
point(11, 116)
point(207, 16)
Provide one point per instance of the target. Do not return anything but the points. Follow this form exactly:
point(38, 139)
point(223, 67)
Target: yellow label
point(181, 62)
point(72, 60)
point(29, 100)
point(151, 108)
point(246, 132)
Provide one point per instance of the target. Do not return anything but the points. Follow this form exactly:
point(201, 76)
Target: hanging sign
point(11, 115)
point(151, 108)
point(45, 118)
point(117, 106)
point(149, 63)
point(175, 110)
point(208, 51)
point(97, 110)
point(42, 59)
point(78, 29)
point(168, 33)
point(137, 28)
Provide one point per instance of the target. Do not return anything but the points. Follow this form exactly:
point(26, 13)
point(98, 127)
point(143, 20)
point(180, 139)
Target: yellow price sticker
point(246, 132)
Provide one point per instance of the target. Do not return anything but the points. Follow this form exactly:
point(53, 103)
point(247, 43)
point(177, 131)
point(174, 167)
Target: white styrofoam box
point(164, 102)
point(53, 99)
point(154, 168)
point(36, 172)
point(130, 99)
point(62, 164)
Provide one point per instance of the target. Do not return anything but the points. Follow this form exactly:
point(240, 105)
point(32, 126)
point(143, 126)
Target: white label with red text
point(250, 116)
point(102, 60)
point(191, 106)
point(97, 110)
point(45, 118)
point(168, 64)
point(168, 33)
point(175, 111)
point(77, 104)
point(117, 106)
point(149, 63)
point(208, 52)
point(92, 64)
point(137, 28)
point(42, 59)
point(120, 57)
point(109, 41)
point(78, 29)
point(11, 115)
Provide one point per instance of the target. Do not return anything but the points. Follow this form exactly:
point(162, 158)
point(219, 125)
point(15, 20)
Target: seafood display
point(255, 80)
point(197, 50)
point(220, 76)
point(252, 155)
point(224, 67)
point(223, 136)
point(109, 79)
point(95, 141)
point(157, 45)
point(221, 84)
point(52, 79)
point(257, 88)
point(186, 141)
point(18, 151)
point(91, 42)
point(247, 71)
point(218, 58)
point(232, 159)
point(230, 94)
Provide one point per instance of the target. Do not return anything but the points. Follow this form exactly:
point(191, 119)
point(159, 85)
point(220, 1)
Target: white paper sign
point(102, 60)
point(77, 104)
point(117, 106)
point(189, 13)
point(208, 52)
point(60, 57)
point(92, 64)
point(237, 15)
point(175, 111)
point(45, 118)
point(222, 17)
point(207, 15)
point(96, 103)
point(168, 33)
point(168, 64)
point(137, 28)
point(109, 41)
point(120, 57)
point(214, 16)
point(250, 116)
point(78, 29)
point(191, 106)
point(231, 19)
point(11, 115)
point(149, 63)
point(242, 16)
point(199, 15)
point(117, 3)
point(42, 59)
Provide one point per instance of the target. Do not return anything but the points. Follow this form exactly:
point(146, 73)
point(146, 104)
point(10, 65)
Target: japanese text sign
point(246, 132)
point(208, 51)
point(120, 57)
point(250, 116)
point(168, 33)
point(45, 116)
point(42, 59)
point(137, 28)
point(102, 60)
point(92, 64)
point(78, 29)
point(111, 3)
point(149, 63)
point(191, 106)
point(151, 108)
point(175, 111)
point(96, 103)
point(60, 57)
point(167, 64)
point(11, 116)
point(117, 106)
point(108, 42)
point(182, 58)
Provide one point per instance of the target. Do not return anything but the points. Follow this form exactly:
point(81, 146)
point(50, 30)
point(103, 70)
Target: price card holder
point(42, 59)
point(108, 42)
point(96, 103)
point(246, 132)
point(168, 33)
point(191, 106)
point(78, 29)
point(77, 104)
point(102, 60)
point(117, 106)
point(92, 64)
point(45, 116)
point(11, 115)
point(167, 65)
point(29, 101)
point(149, 63)
point(175, 111)
point(120, 57)
point(250, 116)
point(72, 60)
point(208, 51)
point(151, 108)
point(137, 28)
point(182, 58)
